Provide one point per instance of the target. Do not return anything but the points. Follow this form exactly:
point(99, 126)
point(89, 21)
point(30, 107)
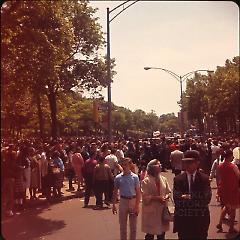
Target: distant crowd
point(31, 166)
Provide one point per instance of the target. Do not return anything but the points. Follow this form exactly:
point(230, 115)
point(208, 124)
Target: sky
point(178, 36)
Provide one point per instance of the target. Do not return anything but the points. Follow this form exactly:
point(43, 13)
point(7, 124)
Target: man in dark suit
point(192, 194)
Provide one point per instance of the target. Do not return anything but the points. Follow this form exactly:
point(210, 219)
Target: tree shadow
point(233, 236)
point(101, 209)
point(29, 225)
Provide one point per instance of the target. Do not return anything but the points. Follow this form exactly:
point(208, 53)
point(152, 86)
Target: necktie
point(191, 183)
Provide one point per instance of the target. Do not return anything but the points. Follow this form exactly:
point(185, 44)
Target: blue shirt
point(59, 163)
point(127, 184)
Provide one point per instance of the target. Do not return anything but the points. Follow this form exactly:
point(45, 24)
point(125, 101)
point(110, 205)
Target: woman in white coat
point(155, 194)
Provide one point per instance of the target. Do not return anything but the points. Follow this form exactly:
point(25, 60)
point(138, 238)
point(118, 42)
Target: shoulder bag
point(167, 213)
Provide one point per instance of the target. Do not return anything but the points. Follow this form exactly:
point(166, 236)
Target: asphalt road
point(68, 220)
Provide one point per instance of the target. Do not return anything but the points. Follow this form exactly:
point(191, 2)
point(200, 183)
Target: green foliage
point(75, 113)
point(215, 96)
point(49, 46)
point(168, 123)
point(141, 123)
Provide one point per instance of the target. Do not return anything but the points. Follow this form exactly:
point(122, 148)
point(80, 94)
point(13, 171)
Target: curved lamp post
point(108, 62)
point(180, 78)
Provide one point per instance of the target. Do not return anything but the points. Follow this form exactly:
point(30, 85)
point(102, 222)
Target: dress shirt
point(189, 179)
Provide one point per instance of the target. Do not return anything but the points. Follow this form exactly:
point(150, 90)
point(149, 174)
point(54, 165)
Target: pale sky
point(179, 36)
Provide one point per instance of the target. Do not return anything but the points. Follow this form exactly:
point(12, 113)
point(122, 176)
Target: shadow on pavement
point(233, 236)
point(28, 225)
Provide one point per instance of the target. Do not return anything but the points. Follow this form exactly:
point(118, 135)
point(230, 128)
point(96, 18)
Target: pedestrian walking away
point(228, 190)
point(176, 157)
point(112, 161)
point(88, 176)
point(102, 175)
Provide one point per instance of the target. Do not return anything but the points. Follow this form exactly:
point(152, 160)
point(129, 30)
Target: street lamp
point(180, 78)
point(108, 62)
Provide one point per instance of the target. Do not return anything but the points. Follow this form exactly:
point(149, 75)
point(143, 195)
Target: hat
point(156, 134)
point(191, 155)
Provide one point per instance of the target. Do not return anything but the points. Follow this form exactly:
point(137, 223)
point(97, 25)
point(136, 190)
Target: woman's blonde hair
point(151, 167)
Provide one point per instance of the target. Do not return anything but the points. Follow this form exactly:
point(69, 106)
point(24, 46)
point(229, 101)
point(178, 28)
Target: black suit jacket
point(192, 215)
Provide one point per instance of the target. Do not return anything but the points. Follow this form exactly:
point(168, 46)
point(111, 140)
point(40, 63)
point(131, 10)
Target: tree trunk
point(53, 109)
point(13, 131)
point(200, 124)
point(40, 116)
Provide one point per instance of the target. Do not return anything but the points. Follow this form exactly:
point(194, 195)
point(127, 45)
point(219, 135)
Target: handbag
point(167, 213)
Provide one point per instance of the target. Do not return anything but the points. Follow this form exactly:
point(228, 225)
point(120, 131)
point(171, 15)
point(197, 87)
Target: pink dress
point(229, 190)
point(77, 163)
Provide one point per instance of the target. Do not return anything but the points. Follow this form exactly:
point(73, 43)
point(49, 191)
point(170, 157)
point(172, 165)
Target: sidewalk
point(66, 195)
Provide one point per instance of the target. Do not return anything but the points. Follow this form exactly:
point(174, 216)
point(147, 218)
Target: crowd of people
point(30, 166)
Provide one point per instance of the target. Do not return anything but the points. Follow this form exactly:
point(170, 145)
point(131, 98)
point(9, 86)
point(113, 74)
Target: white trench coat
point(152, 209)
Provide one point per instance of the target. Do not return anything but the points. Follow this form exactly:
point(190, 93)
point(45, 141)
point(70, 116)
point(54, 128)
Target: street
point(68, 220)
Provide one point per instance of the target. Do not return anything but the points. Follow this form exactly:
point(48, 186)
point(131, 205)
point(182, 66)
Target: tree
point(152, 122)
point(215, 97)
point(168, 123)
point(197, 104)
point(75, 113)
point(224, 95)
point(49, 46)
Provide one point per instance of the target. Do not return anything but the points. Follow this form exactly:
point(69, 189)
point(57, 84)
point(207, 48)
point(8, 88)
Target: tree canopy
point(213, 100)
point(50, 46)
